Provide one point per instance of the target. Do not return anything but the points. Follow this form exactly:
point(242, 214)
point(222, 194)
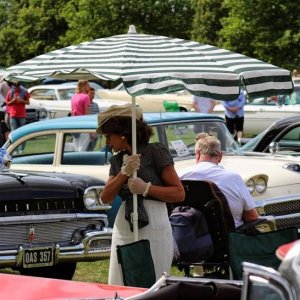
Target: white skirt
point(158, 232)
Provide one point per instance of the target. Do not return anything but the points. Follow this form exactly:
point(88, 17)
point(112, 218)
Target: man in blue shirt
point(234, 116)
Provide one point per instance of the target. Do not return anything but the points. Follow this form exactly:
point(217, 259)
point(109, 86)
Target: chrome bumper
point(94, 246)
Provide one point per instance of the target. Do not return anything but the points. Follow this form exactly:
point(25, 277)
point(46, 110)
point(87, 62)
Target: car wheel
point(182, 109)
point(60, 271)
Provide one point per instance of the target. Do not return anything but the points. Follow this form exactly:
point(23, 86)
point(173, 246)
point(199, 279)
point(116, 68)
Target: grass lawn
point(98, 271)
point(92, 271)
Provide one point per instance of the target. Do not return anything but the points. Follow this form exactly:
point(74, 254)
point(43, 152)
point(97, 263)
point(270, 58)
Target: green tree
point(207, 20)
point(3, 12)
point(32, 27)
point(91, 19)
point(268, 30)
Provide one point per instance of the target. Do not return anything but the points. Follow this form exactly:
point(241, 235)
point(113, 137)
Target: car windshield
point(291, 99)
point(249, 146)
point(66, 94)
point(94, 85)
point(180, 137)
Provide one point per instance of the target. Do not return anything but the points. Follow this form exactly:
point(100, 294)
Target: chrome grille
point(44, 232)
point(287, 222)
point(34, 206)
point(282, 208)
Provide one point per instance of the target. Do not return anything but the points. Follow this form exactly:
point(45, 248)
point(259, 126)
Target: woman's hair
point(123, 126)
point(209, 146)
point(80, 86)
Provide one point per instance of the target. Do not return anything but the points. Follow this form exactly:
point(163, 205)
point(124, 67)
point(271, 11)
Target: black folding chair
point(208, 198)
point(250, 242)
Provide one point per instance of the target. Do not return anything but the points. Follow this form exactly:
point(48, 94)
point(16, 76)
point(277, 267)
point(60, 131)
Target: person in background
point(203, 104)
point(208, 156)
point(4, 132)
point(16, 100)
point(156, 184)
point(94, 108)
point(295, 73)
point(234, 116)
point(4, 88)
point(80, 105)
point(80, 102)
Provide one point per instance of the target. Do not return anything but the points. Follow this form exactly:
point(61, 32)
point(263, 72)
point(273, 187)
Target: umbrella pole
point(134, 215)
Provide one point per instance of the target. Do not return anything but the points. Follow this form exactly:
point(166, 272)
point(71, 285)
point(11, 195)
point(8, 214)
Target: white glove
point(2, 155)
point(5, 159)
point(138, 186)
point(130, 164)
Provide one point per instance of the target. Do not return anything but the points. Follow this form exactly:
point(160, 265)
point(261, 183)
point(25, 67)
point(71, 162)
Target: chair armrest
point(261, 224)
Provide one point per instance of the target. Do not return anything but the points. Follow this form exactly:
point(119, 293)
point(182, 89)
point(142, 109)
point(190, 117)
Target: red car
point(15, 287)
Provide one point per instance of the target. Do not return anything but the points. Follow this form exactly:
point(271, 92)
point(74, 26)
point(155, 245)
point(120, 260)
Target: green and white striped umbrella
point(149, 64)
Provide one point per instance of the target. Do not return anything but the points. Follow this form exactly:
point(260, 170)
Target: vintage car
point(16, 287)
point(282, 137)
point(260, 113)
point(72, 145)
point(150, 103)
point(51, 221)
point(33, 113)
point(56, 99)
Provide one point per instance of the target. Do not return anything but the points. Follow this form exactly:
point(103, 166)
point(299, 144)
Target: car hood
point(249, 166)
point(19, 186)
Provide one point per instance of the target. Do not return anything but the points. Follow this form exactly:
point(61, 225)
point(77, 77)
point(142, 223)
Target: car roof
point(91, 122)
point(286, 121)
point(52, 86)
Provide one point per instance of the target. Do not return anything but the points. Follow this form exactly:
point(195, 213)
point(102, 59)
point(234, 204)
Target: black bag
point(190, 233)
point(137, 264)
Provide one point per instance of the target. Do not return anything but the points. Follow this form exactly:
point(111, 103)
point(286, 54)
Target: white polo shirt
point(230, 183)
point(203, 102)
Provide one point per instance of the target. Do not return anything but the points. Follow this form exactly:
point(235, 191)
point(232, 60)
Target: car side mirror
point(274, 147)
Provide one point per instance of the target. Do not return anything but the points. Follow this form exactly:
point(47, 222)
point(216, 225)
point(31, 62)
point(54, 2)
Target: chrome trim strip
point(50, 217)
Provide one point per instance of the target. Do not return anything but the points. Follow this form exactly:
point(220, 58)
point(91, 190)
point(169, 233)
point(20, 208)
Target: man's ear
point(197, 155)
point(220, 157)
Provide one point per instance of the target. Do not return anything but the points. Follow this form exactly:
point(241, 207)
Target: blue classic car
point(72, 145)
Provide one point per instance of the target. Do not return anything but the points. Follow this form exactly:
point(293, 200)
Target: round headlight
point(90, 198)
point(250, 185)
point(261, 185)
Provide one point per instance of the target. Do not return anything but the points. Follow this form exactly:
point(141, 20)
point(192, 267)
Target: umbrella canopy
point(149, 64)
point(4, 74)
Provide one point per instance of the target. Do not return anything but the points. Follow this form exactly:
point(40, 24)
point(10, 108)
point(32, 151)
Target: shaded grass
point(98, 271)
